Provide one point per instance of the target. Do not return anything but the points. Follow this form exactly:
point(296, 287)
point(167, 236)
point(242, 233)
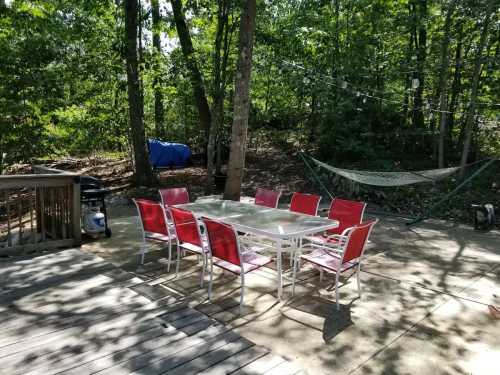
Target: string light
point(343, 84)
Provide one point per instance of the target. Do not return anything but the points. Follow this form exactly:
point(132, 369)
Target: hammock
point(400, 179)
point(389, 178)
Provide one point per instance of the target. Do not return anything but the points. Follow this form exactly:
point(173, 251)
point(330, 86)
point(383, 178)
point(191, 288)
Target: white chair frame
point(346, 235)
point(143, 248)
point(190, 248)
point(242, 273)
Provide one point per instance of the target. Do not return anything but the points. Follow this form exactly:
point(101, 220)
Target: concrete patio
point(424, 307)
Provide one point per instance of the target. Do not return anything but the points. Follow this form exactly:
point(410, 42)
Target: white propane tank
point(93, 222)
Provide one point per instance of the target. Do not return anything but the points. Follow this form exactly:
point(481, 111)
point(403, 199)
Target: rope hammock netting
point(398, 178)
point(389, 178)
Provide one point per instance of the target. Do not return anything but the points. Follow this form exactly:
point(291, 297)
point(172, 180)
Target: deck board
point(184, 352)
point(261, 365)
point(71, 312)
point(237, 361)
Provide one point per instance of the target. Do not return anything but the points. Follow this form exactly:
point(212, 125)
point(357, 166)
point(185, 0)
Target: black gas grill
point(92, 193)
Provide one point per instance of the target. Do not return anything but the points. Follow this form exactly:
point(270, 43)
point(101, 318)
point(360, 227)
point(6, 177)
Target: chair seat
point(194, 248)
point(159, 237)
point(324, 239)
point(328, 260)
point(250, 262)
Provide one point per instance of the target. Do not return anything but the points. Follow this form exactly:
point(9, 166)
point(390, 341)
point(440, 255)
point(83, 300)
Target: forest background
point(367, 84)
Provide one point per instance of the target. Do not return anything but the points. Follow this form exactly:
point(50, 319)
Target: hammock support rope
point(391, 179)
point(451, 193)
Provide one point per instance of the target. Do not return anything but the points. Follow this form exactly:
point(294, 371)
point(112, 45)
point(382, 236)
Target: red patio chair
point(173, 196)
point(170, 197)
point(305, 203)
point(267, 198)
point(154, 226)
point(347, 213)
point(188, 237)
point(334, 261)
point(227, 251)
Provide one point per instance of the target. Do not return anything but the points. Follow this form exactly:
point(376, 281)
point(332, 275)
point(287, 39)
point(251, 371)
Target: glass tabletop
point(255, 219)
point(221, 209)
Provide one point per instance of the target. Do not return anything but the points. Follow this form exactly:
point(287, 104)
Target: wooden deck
point(73, 313)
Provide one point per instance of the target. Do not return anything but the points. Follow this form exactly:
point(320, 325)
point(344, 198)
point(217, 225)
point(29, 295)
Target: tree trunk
point(443, 77)
point(471, 111)
point(217, 92)
point(143, 173)
point(228, 38)
point(192, 65)
point(241, 102)
point(421, 49)
point(456, 84)
point(158, 95)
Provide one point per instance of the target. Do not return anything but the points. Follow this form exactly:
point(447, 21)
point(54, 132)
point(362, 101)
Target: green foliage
point(63, 87)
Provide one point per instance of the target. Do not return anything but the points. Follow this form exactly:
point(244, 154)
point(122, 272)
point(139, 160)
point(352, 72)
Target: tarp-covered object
point(167, 154)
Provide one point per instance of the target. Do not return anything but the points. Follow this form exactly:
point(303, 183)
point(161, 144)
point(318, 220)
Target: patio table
point(272, 223)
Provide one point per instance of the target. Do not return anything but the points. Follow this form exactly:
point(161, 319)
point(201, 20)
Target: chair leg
point(143, 252)
point(294, 273)
point(169, 254)
point(242, 291)
point(299, 251)
point(337, 290)
point(178, 259)
point(203, 267)
point(211, 279)
point(359, 280)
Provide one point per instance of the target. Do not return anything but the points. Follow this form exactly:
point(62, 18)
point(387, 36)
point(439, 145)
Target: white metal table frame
point(278, 238)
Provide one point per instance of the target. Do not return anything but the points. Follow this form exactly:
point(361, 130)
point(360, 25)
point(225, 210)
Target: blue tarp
point(166, 154)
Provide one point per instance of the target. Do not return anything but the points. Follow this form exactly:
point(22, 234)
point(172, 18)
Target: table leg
point(279, 269)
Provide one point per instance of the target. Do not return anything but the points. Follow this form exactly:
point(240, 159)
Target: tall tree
point(442, 85)
point(143, 172)
point(476, 76)
point(457, 81)
point(158, 95)
point(192, 65)
point(218, 86)
point(236, 163)
point(420, 39)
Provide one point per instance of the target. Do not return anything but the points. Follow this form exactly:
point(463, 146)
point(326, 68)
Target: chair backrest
point(223, 241)
point(348, 213)
point(186, 226)
point(305, 203)
point(173, 196)
point(152, 216)
point(267, 198)
point(357, 239)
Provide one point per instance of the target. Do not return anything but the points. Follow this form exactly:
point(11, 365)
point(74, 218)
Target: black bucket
point(220, 181)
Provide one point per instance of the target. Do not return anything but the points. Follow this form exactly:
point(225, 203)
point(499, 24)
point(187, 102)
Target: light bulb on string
point(358, 94)
point(415, 83)
point(364, 100)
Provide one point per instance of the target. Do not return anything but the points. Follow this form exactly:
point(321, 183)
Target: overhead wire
point(359, 91)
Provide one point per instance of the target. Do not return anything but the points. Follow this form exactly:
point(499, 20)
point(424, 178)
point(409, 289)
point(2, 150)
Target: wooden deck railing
point(39, 211)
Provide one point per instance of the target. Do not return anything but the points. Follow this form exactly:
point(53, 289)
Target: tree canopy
point(382, 83)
